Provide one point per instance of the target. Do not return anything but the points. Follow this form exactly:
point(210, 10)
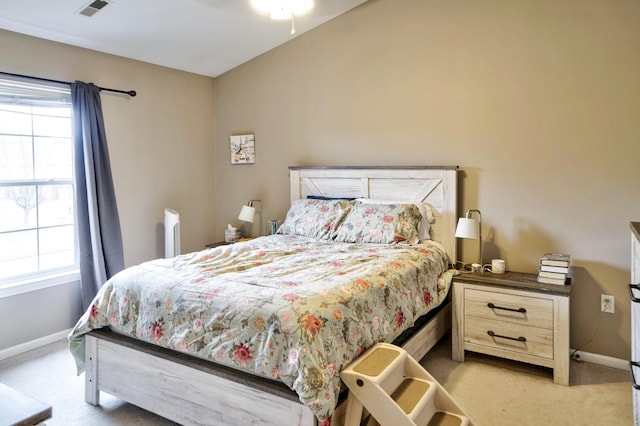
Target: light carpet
point(494, 392)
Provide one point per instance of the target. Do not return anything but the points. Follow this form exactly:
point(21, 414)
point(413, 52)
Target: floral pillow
point(380, 223)
point(425, 209)
point(315, 218)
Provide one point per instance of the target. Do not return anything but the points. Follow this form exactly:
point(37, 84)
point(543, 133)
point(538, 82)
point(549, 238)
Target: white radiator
point(171, 233)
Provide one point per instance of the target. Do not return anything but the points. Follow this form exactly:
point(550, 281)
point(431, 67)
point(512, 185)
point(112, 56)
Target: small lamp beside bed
point(470, 228)
point(248, 214)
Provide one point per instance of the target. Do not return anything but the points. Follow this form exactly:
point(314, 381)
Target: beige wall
point(161, 145)
point(536, 100)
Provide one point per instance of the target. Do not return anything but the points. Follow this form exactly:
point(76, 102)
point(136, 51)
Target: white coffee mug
point(498, 266)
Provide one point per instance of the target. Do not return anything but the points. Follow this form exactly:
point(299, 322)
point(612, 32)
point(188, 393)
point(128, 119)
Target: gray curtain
point(100, 239)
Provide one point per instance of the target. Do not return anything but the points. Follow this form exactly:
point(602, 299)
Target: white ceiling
point(207, 37)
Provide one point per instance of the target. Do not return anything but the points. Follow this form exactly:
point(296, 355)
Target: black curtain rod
point(131, 93)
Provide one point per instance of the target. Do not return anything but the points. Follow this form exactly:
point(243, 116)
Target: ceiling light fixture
point(283, 9)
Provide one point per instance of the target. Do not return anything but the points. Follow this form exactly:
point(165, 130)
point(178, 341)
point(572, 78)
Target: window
point(37, 197)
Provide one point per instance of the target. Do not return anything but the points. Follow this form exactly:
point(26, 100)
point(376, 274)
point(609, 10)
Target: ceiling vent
point(93, 8)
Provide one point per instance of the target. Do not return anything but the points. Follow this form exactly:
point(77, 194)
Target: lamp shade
point(247, 214)
point(467, 228)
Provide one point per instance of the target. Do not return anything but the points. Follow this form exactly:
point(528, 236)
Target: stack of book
point(554, 269)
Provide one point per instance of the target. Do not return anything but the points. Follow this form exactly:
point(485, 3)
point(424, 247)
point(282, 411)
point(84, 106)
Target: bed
point(285, 312)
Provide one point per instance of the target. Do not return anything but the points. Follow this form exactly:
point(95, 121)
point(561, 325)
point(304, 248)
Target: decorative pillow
point(380, 223)
point(425, 209)
point(315, 218)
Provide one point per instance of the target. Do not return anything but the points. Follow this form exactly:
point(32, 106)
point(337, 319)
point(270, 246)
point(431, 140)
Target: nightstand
point(218, 244)
point(512, 316)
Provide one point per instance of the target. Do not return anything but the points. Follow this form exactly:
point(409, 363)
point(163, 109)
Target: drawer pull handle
point(632, 287)
point(519, 339)
point(634, 383)
point(521, 310)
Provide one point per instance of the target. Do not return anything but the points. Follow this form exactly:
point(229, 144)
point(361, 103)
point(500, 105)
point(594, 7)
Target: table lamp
point(471, 228)
point(248, 214)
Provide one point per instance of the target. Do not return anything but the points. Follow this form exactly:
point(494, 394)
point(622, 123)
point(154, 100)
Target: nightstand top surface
point(218, 244)
point(514, 280)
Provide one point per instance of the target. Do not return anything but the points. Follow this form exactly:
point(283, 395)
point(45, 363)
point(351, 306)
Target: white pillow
point(425, 210)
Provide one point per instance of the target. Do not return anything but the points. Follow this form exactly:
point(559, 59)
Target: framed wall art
point(243, 149)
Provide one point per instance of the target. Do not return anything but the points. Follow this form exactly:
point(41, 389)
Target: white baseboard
point(33, 344)
point(607, 361)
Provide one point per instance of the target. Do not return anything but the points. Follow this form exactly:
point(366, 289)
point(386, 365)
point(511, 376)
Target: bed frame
point(193, 391)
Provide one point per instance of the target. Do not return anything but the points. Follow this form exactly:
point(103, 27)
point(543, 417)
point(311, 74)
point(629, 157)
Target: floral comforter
point(286, 307)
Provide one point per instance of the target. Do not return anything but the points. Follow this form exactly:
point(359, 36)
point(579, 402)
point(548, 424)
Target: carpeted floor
point(494, 392)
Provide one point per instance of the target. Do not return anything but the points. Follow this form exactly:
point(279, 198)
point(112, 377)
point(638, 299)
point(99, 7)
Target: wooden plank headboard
point(436, 186)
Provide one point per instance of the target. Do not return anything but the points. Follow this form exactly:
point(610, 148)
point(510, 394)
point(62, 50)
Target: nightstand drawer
point(524, 310)
point(508, 336)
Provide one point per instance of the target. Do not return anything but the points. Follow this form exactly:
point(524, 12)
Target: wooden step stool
point(395, 389)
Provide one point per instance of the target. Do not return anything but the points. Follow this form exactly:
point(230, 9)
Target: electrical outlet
point(607, 303)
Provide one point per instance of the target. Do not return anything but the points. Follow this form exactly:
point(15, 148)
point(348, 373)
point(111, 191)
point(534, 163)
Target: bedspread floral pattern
point(287, 307)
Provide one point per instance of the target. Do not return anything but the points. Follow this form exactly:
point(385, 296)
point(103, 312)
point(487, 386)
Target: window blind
point(18, 91)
